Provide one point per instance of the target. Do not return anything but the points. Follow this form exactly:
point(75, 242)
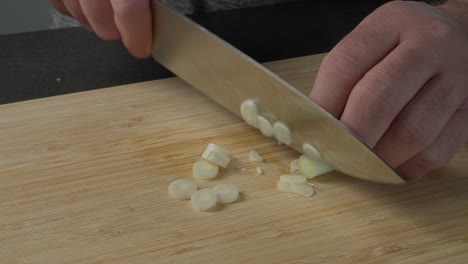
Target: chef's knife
point(229, 77)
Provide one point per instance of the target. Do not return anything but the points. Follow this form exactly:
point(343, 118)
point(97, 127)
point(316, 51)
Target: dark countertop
point(47, 63)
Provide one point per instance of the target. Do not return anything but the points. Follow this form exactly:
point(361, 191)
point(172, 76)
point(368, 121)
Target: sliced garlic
point(216, 148)
point(205, 170)
point(311, 151)
point(204, 199)
point(182, 189)
point(226, 192)
point(265, 126)
point(305, 190)
point(294, 167)
point(311, 168)
point(291, 178)
point(217, 155)
point(259, 171)
point(254, 156)
point(284, 186)
point(282, 133)
point(249, 112)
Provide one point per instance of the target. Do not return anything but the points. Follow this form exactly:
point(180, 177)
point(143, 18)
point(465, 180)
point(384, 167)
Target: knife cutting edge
point(230, 77)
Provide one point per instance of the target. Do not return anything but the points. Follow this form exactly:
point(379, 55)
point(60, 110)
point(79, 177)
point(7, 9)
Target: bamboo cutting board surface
point(83, 179)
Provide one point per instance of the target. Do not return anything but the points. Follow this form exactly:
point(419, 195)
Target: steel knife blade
point(228, 76)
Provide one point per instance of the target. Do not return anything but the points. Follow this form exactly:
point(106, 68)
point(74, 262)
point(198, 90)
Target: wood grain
point(83, 179)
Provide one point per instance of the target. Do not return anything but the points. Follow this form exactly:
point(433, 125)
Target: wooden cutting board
point(83, 179)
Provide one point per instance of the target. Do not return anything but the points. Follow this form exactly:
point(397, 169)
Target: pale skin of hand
point(399, 80)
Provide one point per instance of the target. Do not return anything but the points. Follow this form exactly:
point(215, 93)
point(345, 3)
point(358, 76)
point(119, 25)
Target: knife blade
point(228, 76)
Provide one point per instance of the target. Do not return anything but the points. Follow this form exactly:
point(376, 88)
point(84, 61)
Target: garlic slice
point(216, 154)
point(294, 167)
point(305, 190)
point(311, 151)
point(265, 126)
point(254, 156)
point(282, 133)
point(205, 170)
point(259, 171)
point(226, 192)
point(216, 148)
point(182, 189)
point(218, 159)
point(284, 186)
point(204, 199)
point(249, 112)
point(311, 168)
point(291, 178)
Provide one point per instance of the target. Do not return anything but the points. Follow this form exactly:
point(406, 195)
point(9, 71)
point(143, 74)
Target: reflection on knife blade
point(230, 77)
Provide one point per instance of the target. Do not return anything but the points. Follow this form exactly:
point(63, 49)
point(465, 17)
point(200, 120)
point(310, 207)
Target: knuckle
point(440, 29)
point(343, 63)
point(429, 160)
point(413, 133)
point(375, 90)
point(411, 54)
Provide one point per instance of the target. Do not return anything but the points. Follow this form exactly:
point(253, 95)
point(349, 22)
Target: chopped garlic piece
point(284, 186)
point(249, 112)
point(182, 189)
point(294, 167)
point(282, 133)
point(265, 126)
point(311, 151)
point(227, 193)
point(216, 148)
point(217, 155)
point(311, 168)
point(254, 156)
point(218, 159)
point(204, 199)
point(259, 171)
point(305, 190)
point(291, 178)
point(205, 170)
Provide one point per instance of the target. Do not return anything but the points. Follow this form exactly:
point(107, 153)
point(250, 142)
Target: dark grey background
point(23, 16)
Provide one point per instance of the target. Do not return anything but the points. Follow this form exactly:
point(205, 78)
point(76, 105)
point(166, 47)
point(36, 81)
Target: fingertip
point(140, 53)
point(100, 15)
point(133, 20)
point(138, 45)
point(74, 8)
point(108, 35)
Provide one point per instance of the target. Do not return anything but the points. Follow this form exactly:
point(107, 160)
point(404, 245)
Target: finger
point(414, 129)
point(351, 58)
point(100, 16)
point(382, 92)
point(451, 139)
point(74, 8)
point(133, 19)
point(60, 6)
